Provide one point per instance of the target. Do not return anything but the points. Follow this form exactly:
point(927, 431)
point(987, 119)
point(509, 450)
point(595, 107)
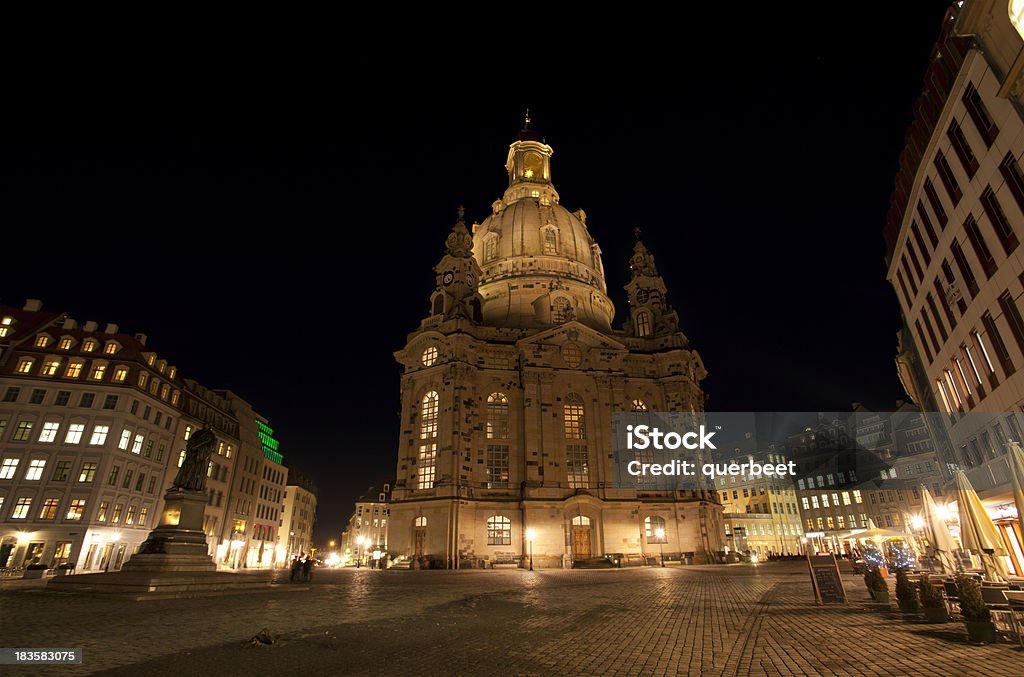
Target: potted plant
point(906, 593)
point(877, 586)
point(980, 628)
point(932, 601)
point(34, 571)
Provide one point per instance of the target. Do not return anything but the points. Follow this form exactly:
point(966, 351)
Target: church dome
point(540, 266)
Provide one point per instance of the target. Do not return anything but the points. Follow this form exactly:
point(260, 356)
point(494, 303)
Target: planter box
point(33, 573)
point(981, 632)
point(933, 615)
point(880, 596)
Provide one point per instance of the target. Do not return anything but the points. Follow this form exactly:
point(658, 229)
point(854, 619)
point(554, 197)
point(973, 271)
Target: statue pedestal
point(172, 562)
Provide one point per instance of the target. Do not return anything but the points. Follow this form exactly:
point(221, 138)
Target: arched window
point(497, 416)
point(421, 521)
point(643, 324)
point(491, 248)
point(550, 241)
point(429, 356)
point(427, 459)
point(499, 530)
point(561, 310)
point(572, 417)
point(438, 304)
point(639, 405)
point(654, 525)
point(581, 521)
point(1017, 15)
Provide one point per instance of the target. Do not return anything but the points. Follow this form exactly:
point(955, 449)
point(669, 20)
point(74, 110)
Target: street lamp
point(530, 536)
point(660, 533)
point(360, 540)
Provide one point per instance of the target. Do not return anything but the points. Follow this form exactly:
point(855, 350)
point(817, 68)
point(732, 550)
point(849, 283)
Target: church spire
point(649, 311)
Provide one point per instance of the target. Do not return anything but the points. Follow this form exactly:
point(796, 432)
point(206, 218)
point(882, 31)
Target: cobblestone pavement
point(740, 619)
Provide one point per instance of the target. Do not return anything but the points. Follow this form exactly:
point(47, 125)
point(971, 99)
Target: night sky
point(253, 215)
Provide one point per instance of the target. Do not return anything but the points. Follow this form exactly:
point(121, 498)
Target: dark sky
point(271, 218)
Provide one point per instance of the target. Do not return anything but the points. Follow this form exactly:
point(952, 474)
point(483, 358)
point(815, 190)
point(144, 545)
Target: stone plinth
point(153, 585)
point(178, 544)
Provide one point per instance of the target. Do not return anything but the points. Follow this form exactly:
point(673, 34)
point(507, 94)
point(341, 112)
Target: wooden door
point(420, 541)
point(581, 542)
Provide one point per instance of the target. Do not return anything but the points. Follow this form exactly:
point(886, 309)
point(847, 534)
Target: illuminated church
point(508, 391)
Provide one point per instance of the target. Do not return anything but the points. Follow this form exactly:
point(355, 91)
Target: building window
point(497, 416)
point(126, 437)
point(111, 347)
point(11, 394)
point(420, 522)
point(577, 466)
point(499, 530)
point(651, 526)
point(74, 370)
point(429, 356)
point(981, 250)
point(49, 510)
point(116, 516)
point(98, 370)
point(561, 310)
point(948, 178)
point(550, 241)
point(129, 517)
point(49, 368)
point(427, 458)
point(21, 509)
point(61, 471)
point(34, 472)
point(23, 433)
point(99, 435)
point(979, 114)
point(5, 325)
point(101, 512)
point(114, 472)
point(76, 509)
point(936, 203)
point(497, 466)
point(42, 341)
point(74, 435)
point(49, 432)
point(142, 379)
point(997, 343)
point(66, 343)
point(639, 405)
point(37, 396)
point(1004, 230)
point(89, 345)
point(144, 515)
point(8, 468)
point(25, 365)
point(643, 324)
point(88, 472)
point(1013, 317)
point(573, 417)
point(962, 149)
point(120, 374)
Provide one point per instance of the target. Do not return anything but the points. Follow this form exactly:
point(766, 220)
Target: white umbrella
point(1015, 457)
point(977, 533)
point(939, 537)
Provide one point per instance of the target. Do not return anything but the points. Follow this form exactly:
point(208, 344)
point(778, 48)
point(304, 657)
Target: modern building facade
point(953, 232)
point(509, 388)
point(298, 516)
point(367, 528)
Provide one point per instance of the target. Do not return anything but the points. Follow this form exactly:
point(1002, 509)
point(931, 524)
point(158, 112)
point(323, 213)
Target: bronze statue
point(192, 473)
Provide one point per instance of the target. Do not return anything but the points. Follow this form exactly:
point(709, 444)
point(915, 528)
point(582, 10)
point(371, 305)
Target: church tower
point(508, 390)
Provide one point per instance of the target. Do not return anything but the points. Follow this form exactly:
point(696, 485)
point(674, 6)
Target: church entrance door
point(581, 542)
point(421, 541)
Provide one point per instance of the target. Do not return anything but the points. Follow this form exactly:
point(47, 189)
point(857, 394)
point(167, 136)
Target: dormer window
point(98, 372)
point(142, 379)
point(111, 347)
point(161, 366)
point(120, 374)
point(49, 368)
point(74, 370)
point(89, 345)
point(5, 325)
point(42, 341)
point(172, 372)
point(151, 360)
point(25, 365)
point(174, 401)
point(66, 343)
point(643, 324)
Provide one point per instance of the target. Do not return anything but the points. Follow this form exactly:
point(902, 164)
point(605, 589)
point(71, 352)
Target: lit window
point(50, 368)
point(8, 468)
point(25, 365)
point(118, 509)
point(806, 503)
point(5, 325)
point(1017, 15)
point(129, 517)
point(65, 343)
point(98, 370)
point(497, 416)
point(76, 509)
point(857, 497)
point(49, 432)
point(42, 341)
point(643, 324)
point(150, 360)
point(188, 432)
point(497, 467)
point(126, 437)
point(99, 435)
point(427, 457)
point(74, 370)
point(572, 417)
point(23, 433)
point(639, 405)
point(21, 509)
point(35, 469)
point(181, 458)
point(89, 345)
point(120, 374)
point(88, 472)
point(499, 530)
point(111, 347)
point(577, 466)
point(174, 398)
point(172, 372)
point(142, 379)
point(143, 515)
point(49, 510)
point(165, 391)
point(137, 444)
point(429, 356)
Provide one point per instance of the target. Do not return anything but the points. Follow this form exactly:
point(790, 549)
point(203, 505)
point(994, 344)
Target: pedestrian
point(296, 569)
point(307, 569)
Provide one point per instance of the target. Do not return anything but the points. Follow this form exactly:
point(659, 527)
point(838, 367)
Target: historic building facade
point(953, 232)
point(509, 388)
point(298, 516)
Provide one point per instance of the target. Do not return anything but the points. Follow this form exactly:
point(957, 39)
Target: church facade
point(508, 390)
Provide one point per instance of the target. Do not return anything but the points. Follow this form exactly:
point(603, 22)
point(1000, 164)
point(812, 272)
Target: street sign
point(828, 584)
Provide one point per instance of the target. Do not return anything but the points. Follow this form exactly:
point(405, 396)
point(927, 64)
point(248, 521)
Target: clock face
point(448, 277)
point(643, 295)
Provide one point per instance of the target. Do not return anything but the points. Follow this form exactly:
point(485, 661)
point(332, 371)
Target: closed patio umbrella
point(938, 533)
point(1015, 456)
point(977, 533)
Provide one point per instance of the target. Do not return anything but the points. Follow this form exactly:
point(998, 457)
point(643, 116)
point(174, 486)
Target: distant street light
point(530, 536)
point(660, 533)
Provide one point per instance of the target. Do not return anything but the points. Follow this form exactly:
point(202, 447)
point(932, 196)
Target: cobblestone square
point(726, 620)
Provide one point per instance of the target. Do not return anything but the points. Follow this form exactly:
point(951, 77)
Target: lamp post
point(660, 533)
point(530, 536)
point(359, 550)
